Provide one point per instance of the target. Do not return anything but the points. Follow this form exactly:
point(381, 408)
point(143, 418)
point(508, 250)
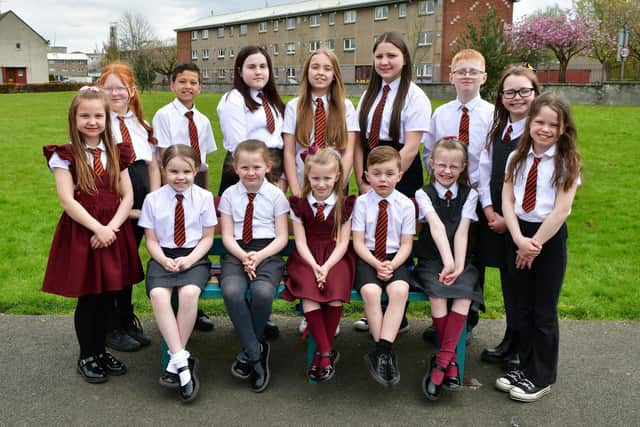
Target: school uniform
point(290, 120)
point(446, 122)
point(538, 288)
point(321, 242)
point(401, 221)
point(415, 111)
point(158, 214)
point(171, 127)
point(238, 124)
point(432, 198)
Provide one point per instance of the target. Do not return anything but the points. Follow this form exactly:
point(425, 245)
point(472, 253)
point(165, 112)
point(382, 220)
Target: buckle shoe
point(91, 370)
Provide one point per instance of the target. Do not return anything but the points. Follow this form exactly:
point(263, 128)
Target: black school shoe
point(91, 370)
point(189, 391)
point(271, 331)
point(133, 328)
point(119, 340)
point(260, 370)
point(431, 390)
point(203, 323)
point(111, 365)
point(393, 372)
point(377, 365)
point(452, 383)
point(171, 380)
point(241, 369)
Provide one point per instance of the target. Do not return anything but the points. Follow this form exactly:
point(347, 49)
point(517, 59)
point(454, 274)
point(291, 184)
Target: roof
point(309, 7)
point(67, 57)
point(3, 15)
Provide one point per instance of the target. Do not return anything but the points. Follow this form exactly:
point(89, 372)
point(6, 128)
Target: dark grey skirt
point(270, 270)
point(158, 277)
point(465, 286)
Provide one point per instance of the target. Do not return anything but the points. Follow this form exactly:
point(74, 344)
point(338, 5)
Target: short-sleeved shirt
point(238, 123)
point(56, 162)
point(329, 204)
point(425, 206)
point(269, 203)
point(446, 122)
point(158, 213)
point(171, 127)
point(139, 136)
point(400, 213)
point(414, 117)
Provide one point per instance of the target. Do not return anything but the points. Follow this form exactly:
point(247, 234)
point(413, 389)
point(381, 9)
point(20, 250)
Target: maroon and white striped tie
point(193, 133)
point(179, 233)
point(380, 248)
point(374, 133)
point(271, 123)
point(247, 225)
point(463, 132)
point(320, 124)
point(126, 138)
point(529, 200)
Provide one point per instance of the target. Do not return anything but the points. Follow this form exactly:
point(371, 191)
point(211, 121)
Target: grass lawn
point(604, 249)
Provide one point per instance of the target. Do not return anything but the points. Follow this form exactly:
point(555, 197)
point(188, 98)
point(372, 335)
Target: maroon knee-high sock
point(331, 317)
point(315, 323)
point(440, 324)
point(452, 332)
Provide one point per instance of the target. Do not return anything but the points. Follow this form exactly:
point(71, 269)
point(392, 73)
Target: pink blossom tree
point(563, 33)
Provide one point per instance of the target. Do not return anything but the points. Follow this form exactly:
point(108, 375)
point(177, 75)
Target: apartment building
point(348, 27)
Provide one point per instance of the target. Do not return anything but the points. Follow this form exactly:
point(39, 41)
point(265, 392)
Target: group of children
point(514, 167)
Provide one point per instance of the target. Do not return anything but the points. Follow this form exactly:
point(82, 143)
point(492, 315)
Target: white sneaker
point(361, 324)
point(526, 391)
point(303, 325)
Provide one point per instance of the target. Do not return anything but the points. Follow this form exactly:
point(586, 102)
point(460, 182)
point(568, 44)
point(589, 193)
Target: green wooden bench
point(213, 291)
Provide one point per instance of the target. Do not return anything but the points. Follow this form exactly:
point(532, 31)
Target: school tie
point(374, 133)
point(271, 123)
point(463, 132)
point(447, 197)
point(247, 225)
point(380, 248)
point(320, 121)
point(97, 163)
point(529, 200)
point(319, 211)
point(126, 138)
point(507, 135)
point(193, 132)
point(179, 233)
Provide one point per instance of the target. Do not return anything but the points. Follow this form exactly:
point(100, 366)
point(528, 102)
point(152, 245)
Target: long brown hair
point(452, 144)
point(337, 132)
point(270, 90)
point(84, 173)
point(125, 74)
point(375, 83)
point(327, 157)
point(567, 164)
point(500, 113)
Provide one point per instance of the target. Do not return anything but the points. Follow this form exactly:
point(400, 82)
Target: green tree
point(143, 69)
point(111, 54)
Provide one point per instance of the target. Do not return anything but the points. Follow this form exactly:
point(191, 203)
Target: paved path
point(598, 382)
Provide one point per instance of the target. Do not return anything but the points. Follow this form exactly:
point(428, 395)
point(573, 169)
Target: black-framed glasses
point(524, 92)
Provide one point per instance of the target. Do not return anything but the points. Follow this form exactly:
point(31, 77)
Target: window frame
point(313, 17)
point(428, 41)
point(348, 14)
point(352, 44)
point(263, 27)
point(381, 9)
point(290, 22)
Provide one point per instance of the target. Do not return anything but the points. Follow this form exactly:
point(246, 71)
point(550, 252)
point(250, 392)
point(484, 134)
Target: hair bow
point(313, 149)
point(91, 88)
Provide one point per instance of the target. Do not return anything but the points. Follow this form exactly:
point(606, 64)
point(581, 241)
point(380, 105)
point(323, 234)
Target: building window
point(205, 53)
point(194, 35)
point(220, 52)
point(291, 48)
point(194, 54)
point(205, 34)
point(243, 29)
point(314, 45)
point(291, 23)
point(424, 71)
point(262, 27)
point(332, 18)
point(314, 21)
point(220, 32)
point(232, 52)
point(222, 74)
point(402, 10)
point(275, 25)
point(349, 16)
point(291, 73)
point(425, 7)
point(275, 48)
point(381, 12)
point(350, 44)
point(205, 74)
point(18, 45)
point(425, 38)
point(331, 44)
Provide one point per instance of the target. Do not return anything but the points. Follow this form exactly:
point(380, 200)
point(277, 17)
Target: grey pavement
point(597, 384)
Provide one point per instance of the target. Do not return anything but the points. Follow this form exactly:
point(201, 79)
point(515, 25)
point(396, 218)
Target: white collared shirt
point(546, 192)
point(415, 114)
point(56, 162)
point(238, 123)
point(401, 218)
point(139, 135)
point(171, 127)
point(269, 203)
point(425, 206)
point(446, 122)
point(485, 168)
point(158, 213)
point(289, 126)
point(329, 204)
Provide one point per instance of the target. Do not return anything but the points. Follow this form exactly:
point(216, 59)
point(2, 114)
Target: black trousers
point(537, 292)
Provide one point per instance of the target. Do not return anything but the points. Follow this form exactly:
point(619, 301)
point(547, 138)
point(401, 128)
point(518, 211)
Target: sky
point(84, 25)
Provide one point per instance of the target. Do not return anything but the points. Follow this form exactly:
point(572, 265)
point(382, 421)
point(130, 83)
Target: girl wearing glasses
point(516, 91)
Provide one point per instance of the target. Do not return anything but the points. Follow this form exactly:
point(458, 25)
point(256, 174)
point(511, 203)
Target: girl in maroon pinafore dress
point(322, 267)
point(94, 251)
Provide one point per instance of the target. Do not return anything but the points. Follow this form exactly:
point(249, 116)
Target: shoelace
point(525, 384)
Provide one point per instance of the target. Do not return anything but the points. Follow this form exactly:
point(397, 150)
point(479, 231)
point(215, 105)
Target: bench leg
point(460, 352)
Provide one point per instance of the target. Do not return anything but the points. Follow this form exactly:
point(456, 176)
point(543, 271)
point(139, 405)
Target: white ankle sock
point(180, 360)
